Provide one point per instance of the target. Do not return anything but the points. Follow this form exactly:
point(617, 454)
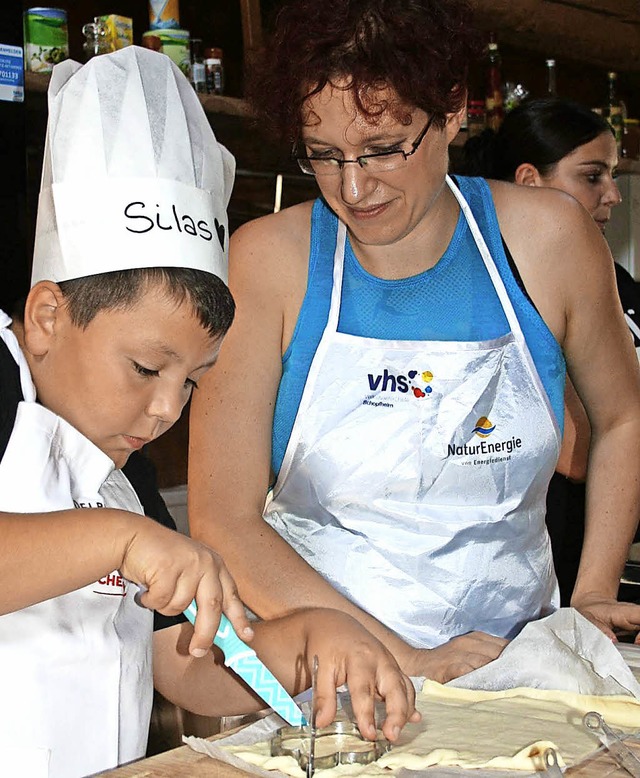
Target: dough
point(506, 730)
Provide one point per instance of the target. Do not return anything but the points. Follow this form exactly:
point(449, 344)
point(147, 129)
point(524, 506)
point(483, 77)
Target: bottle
point(552, 89)
point(631, 139)
point(198, 76)
point(493, 95)
point(615, 113)
point(96, 40)
point(214, 71)
point(475, 117)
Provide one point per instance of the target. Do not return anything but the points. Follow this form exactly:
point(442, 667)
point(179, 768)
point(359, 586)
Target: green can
point(46, 38)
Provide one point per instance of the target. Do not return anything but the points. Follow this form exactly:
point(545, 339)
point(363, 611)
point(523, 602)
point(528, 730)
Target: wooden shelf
point(232, 106)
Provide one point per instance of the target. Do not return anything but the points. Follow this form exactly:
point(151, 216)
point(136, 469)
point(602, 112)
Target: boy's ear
point(42, 313)
point(527, 175)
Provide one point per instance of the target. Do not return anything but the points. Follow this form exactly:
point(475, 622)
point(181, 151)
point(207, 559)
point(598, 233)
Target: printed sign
point(11, 73)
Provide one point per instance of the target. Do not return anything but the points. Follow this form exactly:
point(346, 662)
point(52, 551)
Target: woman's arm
point(231, 421)
point(568, 271)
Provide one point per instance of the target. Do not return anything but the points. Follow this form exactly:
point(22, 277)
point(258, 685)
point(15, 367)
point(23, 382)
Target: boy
point(126, 312)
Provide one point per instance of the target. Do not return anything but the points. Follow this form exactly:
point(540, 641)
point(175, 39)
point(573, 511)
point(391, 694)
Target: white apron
point(75, 671)
point(416, 474)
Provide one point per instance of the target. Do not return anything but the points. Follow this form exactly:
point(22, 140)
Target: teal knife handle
point(226, 637)
point(245, 663)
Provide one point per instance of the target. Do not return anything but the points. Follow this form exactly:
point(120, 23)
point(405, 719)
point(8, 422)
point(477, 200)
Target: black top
point(139, 469)
point(629, 291)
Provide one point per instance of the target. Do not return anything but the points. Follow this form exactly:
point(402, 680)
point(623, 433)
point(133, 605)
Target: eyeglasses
point(382, 162)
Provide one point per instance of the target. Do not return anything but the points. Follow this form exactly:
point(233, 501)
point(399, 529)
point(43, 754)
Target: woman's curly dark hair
point(420, 48)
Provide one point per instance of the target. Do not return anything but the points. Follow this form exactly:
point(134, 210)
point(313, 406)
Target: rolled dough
point(506, 730)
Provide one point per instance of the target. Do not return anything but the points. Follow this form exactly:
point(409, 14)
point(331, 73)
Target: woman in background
point(557, 143)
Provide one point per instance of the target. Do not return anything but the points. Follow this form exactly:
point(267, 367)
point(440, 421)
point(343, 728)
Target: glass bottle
point(493, 95)
point(198, 77)
point(552, 89)
point(615, 110)
point(96, 39)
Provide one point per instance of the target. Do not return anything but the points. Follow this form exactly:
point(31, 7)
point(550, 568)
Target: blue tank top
point(453, 301)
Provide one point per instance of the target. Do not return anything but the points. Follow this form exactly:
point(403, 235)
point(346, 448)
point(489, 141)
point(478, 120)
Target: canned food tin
point(46, 38)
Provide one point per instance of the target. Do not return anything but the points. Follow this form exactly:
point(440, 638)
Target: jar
point(214, 71)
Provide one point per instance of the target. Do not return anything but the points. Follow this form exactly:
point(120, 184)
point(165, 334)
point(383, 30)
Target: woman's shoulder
point(288, 230)
point(269, 258)
point(541, 217)
point(557, 247)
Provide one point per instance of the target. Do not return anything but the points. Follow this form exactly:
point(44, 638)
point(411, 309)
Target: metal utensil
point(243, 660)
point(622, 754)
point(349, 745)
point(552, 768)
point(311, 764)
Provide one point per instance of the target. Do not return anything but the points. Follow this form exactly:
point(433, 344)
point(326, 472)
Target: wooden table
point(185, 763)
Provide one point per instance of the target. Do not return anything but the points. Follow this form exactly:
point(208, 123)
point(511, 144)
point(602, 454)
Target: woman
point(388, 372)
point(565, 145)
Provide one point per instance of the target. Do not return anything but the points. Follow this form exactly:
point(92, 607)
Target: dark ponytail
point(539, 132)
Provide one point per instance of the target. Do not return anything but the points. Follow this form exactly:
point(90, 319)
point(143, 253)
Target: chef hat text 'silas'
point(133, 175)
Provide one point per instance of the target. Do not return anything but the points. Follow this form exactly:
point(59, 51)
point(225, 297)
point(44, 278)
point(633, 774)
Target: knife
point(311, 761)
point(243, 660)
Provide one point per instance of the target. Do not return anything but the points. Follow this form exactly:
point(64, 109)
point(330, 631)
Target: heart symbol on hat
point(220, 232)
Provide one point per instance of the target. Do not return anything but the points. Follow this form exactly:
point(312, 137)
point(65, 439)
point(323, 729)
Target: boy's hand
point(347, 653)
point(175, 569)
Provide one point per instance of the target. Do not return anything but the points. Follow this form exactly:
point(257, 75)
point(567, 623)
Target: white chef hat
point(133, 176)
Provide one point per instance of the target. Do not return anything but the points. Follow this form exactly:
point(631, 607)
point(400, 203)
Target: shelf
point(232, 106)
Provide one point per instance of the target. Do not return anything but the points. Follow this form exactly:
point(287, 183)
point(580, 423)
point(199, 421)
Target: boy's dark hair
point(540, 132)
point(211, 300)
point(420, 48)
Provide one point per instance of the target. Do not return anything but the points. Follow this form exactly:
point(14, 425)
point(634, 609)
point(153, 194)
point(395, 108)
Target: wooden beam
point(588, 31)
point(251, 29)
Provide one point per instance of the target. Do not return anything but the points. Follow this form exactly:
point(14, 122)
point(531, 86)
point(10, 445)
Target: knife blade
point(243, 660)
point(311, 762)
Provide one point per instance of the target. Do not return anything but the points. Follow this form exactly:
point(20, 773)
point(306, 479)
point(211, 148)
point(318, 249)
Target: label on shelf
point(11, 73)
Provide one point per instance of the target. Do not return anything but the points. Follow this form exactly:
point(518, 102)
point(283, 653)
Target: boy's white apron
point(75, 671)
point(416, 474)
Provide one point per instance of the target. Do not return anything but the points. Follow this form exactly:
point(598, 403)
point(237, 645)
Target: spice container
point(214, 72)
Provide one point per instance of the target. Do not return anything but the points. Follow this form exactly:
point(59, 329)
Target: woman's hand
point(174, 570)
point(608, 614)
point(458, 656)
point(347, 653)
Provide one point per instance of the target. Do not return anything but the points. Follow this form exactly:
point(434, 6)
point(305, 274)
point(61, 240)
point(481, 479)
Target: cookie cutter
point(294, 741)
